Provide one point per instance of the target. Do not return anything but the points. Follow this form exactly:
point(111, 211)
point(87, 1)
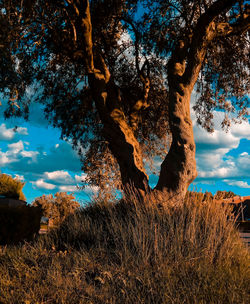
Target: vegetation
point(208, 196)
point(224, 194)
point(131, 252)
point(11, 187)
point(18, 224)
point(57, 208)
point(118, 80)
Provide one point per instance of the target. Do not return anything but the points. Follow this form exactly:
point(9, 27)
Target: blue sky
point(47, 164)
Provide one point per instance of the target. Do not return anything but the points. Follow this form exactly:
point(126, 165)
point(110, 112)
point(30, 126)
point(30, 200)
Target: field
point(132, 252)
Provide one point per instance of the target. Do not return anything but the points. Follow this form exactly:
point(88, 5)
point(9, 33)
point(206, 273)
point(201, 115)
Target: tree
point(128, 99)
point(57, 208)
point(224, 194)
point(11, 187)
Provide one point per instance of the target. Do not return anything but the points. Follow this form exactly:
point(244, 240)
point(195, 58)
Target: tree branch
point(241, 25)
point(81, 23)
point(141, 104)
point(203, 34)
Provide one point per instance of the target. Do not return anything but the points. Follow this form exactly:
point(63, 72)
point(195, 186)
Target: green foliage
point(18, 223)
point(11, 187)
point(131, 252)
point(57, 208)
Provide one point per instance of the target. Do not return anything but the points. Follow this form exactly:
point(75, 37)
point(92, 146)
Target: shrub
point(11, 187)
point(18, 223)
point(57, 208)
point(132, 252)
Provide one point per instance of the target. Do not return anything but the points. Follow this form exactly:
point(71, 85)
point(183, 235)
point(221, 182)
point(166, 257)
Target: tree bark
point(106, 95)
point(118, 133)
point(178, 169)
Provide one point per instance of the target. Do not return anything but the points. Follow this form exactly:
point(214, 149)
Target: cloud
point(63, 181)
point(41, 184)
point(241, 130)
point(29, 154)
point(68, 188)
point(55, 169)
point(217, 140)
point(243, 154)
point(16, 147)
point(81, 178)
point(214, 156)
point(15, 153)
point(8, 134)
point(59, 177)
point(4, 159)
point(61, 157)
point(237, 183)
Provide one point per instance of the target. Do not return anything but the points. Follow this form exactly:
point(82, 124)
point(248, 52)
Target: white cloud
point(24, 161)
point(4, 159)
point(80, 178)
point(240, 184)
point(22, 131)
point(16, 147)
point(15, 153)
point(67, 188)
point(41, 184)
point(8, 134)
point(59, 176)
point(243, 154)
point(218, 173)
point(241, 130)
point(29, 154)
point(212, 156)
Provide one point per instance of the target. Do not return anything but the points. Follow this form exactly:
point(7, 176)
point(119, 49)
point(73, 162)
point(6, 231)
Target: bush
point(11, 187)
point(57, 208)
point(18, 223)
point(132, 252)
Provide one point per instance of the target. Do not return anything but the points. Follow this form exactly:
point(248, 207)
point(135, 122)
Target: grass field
point(132, 252)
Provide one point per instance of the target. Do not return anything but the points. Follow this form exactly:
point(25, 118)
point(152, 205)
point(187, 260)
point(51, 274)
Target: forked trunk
point(178, 169)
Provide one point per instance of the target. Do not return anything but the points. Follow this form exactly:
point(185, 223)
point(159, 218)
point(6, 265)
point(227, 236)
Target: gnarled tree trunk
point(122, 142)
point(106, 95)
point(178, 169)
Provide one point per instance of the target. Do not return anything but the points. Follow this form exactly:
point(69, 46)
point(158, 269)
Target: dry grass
point(131, 252)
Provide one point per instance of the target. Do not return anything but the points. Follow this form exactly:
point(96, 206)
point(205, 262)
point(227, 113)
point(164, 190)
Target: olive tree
point(117, 77)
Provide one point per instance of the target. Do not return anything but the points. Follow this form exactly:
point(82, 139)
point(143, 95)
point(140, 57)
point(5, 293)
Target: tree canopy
point(11, 187)
point(116, 76)
point(57, 208)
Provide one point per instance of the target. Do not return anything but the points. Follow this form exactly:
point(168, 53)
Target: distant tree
point(124, 100)
point(11, 187)
point(57, 208)
point(223, 194)
point(208, 197)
